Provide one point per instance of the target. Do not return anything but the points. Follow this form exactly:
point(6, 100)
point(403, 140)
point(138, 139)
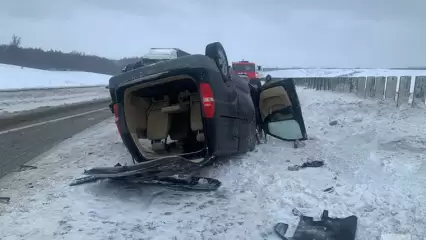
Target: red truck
point(250, 69)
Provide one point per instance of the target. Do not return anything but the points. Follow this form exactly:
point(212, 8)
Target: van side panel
point(224, 125)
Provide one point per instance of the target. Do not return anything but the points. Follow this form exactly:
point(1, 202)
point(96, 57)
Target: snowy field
point(344, 72)
point(375, 159)
point(14, 77)
point(43, 84)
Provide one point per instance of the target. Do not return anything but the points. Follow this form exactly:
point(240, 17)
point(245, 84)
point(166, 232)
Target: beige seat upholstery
point(158, 123)
point(136, 109)
point(273, 99)
point(196, 118)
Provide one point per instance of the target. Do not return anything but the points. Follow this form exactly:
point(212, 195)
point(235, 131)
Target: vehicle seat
point(273, 99)
point(158, 124)
point(196, 117)
point(136, 109)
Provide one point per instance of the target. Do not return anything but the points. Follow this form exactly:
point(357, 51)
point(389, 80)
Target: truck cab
point(245, 67)
point(248, 70)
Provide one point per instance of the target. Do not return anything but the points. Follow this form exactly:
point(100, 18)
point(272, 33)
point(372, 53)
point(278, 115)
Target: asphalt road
point(24, 141)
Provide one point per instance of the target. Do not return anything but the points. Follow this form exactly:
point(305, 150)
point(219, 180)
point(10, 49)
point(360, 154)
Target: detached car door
point(280, 111)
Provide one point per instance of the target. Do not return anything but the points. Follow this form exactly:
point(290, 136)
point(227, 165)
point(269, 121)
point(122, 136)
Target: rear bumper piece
point(161, 167)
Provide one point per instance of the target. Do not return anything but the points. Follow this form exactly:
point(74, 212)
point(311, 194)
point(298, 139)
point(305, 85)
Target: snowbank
point(28, 100)
point(344, 72)
point(375, 160)
point(15, 77)
point(74, 84)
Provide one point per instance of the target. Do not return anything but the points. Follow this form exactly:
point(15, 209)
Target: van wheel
point(216, 52)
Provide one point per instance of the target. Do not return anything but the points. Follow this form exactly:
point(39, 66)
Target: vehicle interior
point(164, 118)
point(273, 99)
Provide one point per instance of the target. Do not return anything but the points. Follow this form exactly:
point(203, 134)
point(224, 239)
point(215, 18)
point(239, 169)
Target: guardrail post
point(333, 84)
point(352, 84)
point(411, 91)
point(419, 91)
point(369, 87)
point(361, 86)
point(391, 83)
point(379, 86)
point(347, 84)
point(398, 82)
point(403, 90)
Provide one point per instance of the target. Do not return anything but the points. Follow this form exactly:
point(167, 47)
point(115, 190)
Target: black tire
point(216, 52)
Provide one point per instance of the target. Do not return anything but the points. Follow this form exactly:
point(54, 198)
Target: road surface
point(24, 141)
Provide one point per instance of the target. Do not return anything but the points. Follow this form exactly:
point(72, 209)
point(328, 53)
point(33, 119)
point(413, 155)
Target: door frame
point(290, 87)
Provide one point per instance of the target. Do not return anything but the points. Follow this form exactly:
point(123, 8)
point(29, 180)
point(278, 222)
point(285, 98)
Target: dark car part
point(177, 183)
point(325, 229)
point(5, 200)
point(164, 172)
point(311, 164)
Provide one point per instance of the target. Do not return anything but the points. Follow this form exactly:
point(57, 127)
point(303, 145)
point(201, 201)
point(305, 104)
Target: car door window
point(280, 111)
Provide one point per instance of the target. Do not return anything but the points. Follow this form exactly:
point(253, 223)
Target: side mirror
point(259, 68)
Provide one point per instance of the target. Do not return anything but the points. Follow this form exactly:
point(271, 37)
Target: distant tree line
point(14, 54)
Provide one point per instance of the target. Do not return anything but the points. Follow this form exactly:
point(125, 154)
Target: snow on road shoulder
point(75, 88)
point(375, 160)
point(28, 100)
point(15, 77)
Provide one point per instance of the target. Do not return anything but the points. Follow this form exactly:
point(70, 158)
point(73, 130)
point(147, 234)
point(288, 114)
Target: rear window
point(243, 67)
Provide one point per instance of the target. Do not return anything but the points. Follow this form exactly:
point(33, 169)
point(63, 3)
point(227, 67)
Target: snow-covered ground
point(75, 87)
point(27, 100)
point(15, 77)
point(375, 159)
point(344, 72)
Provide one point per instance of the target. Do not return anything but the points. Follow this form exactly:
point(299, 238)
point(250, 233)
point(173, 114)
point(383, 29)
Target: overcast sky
point(308, 33)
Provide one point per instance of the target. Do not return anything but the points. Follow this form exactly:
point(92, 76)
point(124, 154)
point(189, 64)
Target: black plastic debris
point(25, 168)
point(333, 123)
point(325, 229)
point(306, 164)
point(296, 212)
point(164, 172)
point(4, 200)
point(298, 144)
point(183, 183)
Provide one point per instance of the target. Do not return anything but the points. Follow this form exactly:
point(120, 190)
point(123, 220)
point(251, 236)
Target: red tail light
point(207, 100)
point(117, 117)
